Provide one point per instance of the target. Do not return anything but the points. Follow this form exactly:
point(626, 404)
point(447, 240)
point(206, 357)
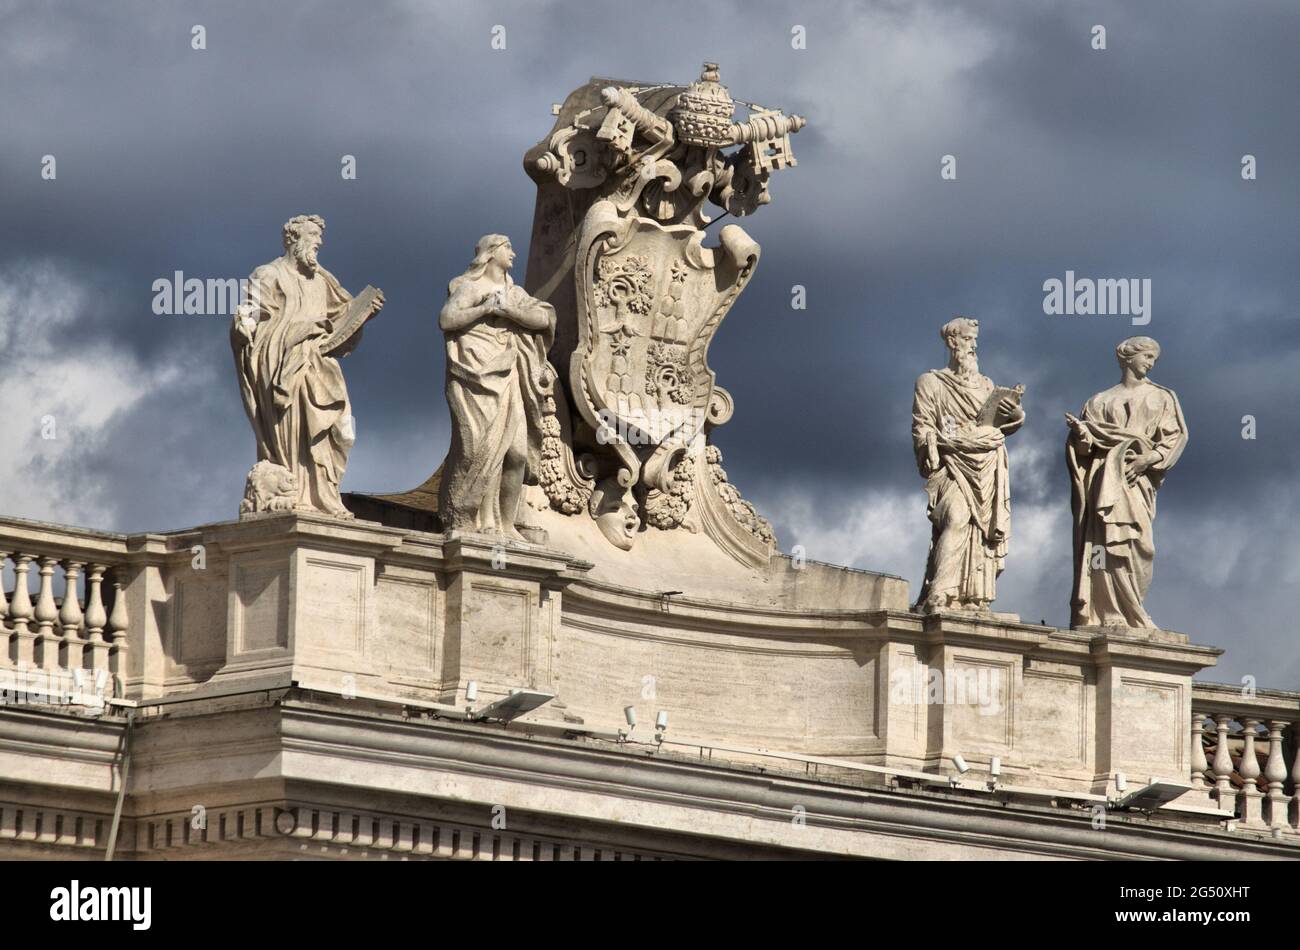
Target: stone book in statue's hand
point(990, 413)
point(347, 331)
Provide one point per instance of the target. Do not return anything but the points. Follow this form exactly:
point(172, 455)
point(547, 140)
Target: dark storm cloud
point(1115, 163)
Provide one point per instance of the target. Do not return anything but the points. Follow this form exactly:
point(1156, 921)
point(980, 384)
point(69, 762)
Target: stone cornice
point(583, 769)
point(39, 742)
point(473, 552)
point(323, 750)
point(1113, 649)
point(299, 528)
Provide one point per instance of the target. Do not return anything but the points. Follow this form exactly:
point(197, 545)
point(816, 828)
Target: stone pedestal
point(300, 598)
point(356, 608)
point(502, 615)
point(1057, 708)
point(1144, 694)
point(956, 686)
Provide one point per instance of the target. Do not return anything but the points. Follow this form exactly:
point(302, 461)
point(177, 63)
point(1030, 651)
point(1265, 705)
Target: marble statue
point(288, 334)
point(960, 422)
point(1118, 452)
point(498, 381)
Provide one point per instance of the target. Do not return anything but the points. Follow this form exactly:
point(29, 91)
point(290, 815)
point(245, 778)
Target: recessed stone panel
point(1054, 716)
point(261, 594)
point(980, 695)
point(405, 641)
point(199, 619)
point(1155, 725)
point(500, 617)
point(332, 604)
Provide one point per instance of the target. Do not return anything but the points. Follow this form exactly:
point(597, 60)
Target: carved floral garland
point(564, 487)
point(740, 509)
point(667, 510)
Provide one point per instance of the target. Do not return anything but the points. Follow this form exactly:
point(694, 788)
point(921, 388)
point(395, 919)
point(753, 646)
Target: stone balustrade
point(64, 620)
point(1241, 741)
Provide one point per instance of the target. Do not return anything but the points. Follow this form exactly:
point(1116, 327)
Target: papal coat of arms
point(619, 249)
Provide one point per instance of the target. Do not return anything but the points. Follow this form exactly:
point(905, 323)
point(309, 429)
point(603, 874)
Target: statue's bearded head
point(961, 337)
point(302, 236)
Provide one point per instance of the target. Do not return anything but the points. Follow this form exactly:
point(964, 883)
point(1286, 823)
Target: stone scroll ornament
point(1118, 452)
point(288, 335)
point(619, 249)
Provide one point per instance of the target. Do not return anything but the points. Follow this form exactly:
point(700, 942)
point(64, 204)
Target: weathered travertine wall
point(818, 661)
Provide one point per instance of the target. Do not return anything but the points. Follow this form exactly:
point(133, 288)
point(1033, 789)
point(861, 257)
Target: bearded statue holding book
point(287, 338)
point(960, 422)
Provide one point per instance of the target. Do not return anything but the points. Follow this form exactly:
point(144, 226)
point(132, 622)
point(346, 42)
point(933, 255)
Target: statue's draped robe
point(294, 395)
point(495, 391)
point(969, 494)
point(1108, 512)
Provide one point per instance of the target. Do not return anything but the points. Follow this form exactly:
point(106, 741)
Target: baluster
point(20, 612)
point(118, 622)
point(1199, 765)
point(1223, 764)
point(96, 618)
point(1295, 775)
point(46, 613)
point(1275, 773)
point(1250, 796)
point(1249, 767)
point(70, 618)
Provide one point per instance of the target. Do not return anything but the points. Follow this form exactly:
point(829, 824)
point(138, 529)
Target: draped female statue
point(1118, 454)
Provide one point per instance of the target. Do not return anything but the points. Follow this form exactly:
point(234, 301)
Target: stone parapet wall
point(356, 609)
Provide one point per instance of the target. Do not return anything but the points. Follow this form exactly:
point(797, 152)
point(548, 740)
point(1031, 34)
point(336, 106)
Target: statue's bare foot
point(512, 534)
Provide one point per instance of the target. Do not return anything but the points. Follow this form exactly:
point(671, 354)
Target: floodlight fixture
point(518, 703)
point(1151, 796)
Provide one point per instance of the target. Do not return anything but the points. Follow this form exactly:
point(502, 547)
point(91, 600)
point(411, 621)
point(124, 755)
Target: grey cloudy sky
point(1116, 163)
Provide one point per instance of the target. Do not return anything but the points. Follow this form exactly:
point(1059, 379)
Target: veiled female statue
point(1118, 453)
point(497, 380)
